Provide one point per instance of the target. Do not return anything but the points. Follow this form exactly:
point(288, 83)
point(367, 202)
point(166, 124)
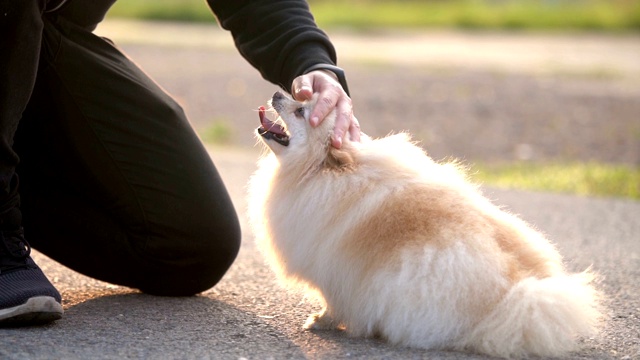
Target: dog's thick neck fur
point(340, 160)
point(310, 165)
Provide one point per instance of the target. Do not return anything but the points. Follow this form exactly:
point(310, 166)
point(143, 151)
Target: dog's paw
point(320, 321)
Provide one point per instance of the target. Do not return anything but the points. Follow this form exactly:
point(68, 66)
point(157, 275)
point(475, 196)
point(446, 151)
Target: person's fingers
point(344, 123)
point(328, 98)
point(302, 88)
point(354, 130)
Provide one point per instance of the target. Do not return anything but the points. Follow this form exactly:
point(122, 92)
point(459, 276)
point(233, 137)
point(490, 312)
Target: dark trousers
point(114, 183)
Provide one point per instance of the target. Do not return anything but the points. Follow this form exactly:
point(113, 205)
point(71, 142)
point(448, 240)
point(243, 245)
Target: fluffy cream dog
point(405, 248)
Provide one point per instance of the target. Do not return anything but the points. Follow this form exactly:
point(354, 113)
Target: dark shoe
point(26, 295)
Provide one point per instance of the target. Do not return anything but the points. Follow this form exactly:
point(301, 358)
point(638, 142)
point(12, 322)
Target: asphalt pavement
point(249, 316)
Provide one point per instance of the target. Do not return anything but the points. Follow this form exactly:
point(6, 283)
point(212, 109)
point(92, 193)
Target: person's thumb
point(301, 88)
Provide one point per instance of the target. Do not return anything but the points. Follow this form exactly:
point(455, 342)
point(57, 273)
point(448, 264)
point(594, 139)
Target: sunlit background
point(541, 95)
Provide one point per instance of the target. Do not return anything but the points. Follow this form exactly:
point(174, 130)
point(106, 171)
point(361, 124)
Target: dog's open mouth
point(271, 130)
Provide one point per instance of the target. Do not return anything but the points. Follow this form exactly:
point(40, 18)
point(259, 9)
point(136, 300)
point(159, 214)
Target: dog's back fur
point(405, 248)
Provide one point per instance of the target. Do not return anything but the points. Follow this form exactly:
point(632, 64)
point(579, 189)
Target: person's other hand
point(331, 95)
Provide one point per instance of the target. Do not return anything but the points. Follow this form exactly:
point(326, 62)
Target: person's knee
point(195, 264)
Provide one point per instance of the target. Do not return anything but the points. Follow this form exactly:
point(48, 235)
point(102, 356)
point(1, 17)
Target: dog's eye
point(299, 112)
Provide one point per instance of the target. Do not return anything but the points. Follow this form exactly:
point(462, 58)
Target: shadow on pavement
point(135, 325)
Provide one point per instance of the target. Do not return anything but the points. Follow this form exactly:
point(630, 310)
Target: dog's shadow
point(377, 348)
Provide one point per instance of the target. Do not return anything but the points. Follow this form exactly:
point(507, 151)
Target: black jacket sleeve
point(278, 37)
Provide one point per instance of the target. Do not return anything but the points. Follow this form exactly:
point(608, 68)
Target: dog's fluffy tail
point(542, 317)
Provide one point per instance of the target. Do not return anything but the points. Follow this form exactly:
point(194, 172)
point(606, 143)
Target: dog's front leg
point(321, 321)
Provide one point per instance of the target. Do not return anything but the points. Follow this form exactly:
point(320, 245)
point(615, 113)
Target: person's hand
point(331, 95)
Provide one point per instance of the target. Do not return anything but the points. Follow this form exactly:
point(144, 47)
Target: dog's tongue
point(269, 125)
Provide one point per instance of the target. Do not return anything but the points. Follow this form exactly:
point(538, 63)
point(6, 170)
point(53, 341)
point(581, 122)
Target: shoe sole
point(37, 310)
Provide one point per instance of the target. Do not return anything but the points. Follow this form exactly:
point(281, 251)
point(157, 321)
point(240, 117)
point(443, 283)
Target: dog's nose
point(277, 96)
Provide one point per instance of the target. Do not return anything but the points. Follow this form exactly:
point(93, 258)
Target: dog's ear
point(339, 159)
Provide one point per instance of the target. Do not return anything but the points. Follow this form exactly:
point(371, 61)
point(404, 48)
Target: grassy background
point(601, 15)
point(591, 179)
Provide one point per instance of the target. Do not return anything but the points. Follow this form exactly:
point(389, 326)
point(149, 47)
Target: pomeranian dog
point(407, 249)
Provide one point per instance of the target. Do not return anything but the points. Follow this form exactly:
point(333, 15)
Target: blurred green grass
point(219, 132)
point(600, 15)
point(588, 179)
point(170, 10)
